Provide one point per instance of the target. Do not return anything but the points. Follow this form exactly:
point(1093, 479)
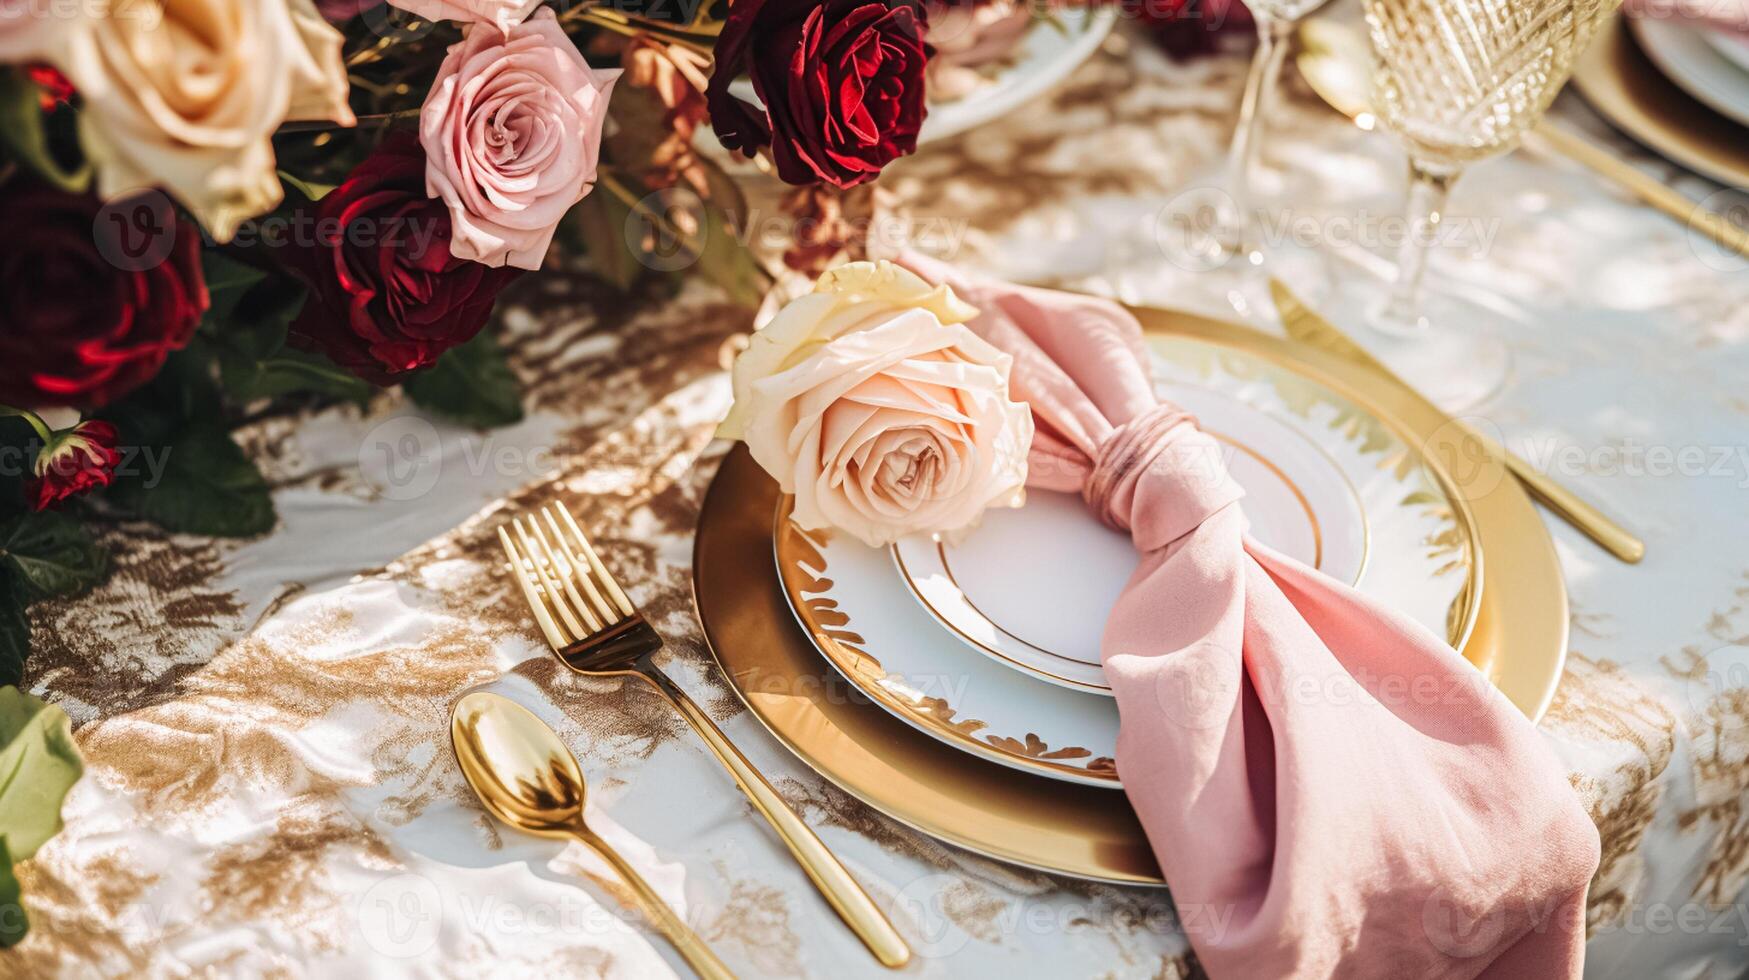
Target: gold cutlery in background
point(1337, 62)
point(1306, 326)
point(527, 778)
point(595, 629)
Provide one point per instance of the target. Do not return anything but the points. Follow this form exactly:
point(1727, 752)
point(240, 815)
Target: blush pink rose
point(512, 134)
point(875, 405)
point(502, 14)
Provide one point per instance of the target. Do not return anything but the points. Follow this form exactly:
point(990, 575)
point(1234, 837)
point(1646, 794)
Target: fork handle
point(829, 875)
point(660, 913)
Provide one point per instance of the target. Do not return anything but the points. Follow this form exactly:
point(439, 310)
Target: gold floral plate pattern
point(1328, 481)
point(1028, 819)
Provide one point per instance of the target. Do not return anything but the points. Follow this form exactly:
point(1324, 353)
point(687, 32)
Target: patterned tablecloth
point(270, 789)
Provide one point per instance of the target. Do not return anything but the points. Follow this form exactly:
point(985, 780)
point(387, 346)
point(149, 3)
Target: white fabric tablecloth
point(270, 788)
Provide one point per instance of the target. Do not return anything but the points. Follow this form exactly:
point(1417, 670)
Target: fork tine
point(601, 572)
point(567, 573)
point(550, 587)
point(606, 611)
point(524, 578)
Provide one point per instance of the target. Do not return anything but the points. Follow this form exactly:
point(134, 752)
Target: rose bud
point(73, 462)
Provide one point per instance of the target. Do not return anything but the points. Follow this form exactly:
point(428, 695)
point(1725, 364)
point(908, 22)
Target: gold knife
point(1306, 326)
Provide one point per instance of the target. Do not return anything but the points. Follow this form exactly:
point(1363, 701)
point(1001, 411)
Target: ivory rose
point(29, 31)
point(502, 14)
point(873, 403)
point(512, 133)
point(186, 95)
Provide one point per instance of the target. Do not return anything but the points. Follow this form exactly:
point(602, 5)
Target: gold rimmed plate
point(1024, 817)
point(1622, 84)
point(954, 639)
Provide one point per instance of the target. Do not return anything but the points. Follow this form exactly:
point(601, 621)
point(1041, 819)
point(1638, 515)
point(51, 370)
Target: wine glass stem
point(1272, 37)
point(1429, 188)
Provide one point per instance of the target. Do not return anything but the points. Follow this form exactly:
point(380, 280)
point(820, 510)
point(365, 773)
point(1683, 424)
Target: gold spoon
point(1337, 62)
point(527, 778)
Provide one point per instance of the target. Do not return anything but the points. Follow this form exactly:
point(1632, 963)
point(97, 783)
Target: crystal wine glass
point(1460, 81)
point(1237, 229)
point(1211, 229)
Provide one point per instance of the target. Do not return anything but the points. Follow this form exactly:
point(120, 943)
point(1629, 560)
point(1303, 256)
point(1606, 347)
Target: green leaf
point(23, 133)
point(600, 221)
point(289, 372)
point(14, 922)
point(246, 329)
point(207, 486)
point(471, 384)
point(227, 282)
point(39, 763)
point(309, 189)
point(725, 261)
point(14, 630)
point(51, 554)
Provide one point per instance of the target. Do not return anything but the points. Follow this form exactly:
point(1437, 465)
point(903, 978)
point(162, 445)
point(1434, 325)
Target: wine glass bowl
point(1461, 80)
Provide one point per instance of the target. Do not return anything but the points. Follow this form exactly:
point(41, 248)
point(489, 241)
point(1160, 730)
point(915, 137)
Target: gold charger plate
point(1622, 84)
point(1029, 819)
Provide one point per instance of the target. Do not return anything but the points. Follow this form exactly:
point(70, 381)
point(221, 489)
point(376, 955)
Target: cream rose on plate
point(875, 405)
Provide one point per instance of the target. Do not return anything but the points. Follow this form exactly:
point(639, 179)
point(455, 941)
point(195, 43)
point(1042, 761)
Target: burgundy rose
point(74, 462)
point(1187, 28)
point(386, 295)
point(93, 297)
point(842, 83)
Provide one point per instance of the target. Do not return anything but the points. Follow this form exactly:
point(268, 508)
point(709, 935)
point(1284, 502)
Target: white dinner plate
point(1732, 45)
point(1682, 52)
point(1032, 616)
point(1328, 483)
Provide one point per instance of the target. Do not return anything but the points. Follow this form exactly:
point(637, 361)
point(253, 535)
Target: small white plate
point(1044, 57)
point(1732, 45)
point(1380, 516)
point(1683, 52)
point(1030, 615)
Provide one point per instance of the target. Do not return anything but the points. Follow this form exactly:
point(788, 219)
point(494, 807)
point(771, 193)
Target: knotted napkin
point(1330, 789)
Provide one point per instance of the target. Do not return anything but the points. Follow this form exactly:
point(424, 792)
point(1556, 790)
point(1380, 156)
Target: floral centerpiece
point(221, 209)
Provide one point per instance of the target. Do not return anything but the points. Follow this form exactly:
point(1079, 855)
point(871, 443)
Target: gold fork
point(595, 630)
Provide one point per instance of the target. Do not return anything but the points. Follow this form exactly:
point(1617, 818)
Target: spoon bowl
point(526, 777)
point(522, 773)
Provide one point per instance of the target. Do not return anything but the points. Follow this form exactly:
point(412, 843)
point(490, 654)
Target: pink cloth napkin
point(1727, 15)
point(1329, 788)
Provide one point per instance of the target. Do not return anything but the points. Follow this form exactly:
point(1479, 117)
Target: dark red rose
point(386, 295)
point(95, 296)
point(842, 83)
point(74, 462)
point(1186, 28)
